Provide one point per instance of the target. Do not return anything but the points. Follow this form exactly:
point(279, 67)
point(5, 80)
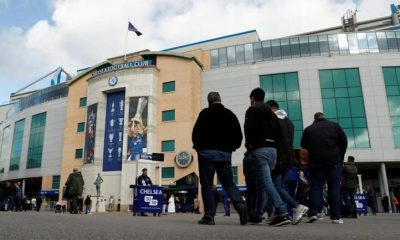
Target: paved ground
point(47, 225)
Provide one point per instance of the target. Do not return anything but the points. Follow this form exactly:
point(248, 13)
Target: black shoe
point(242, 210)
point(206, 221)
point(143, 214)
point(280, 220)
point(255, 221)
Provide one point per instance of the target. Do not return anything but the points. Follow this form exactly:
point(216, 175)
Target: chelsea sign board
point(122, 66)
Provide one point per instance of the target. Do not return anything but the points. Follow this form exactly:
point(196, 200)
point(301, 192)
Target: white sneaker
point(338, 221)
point(299, 212)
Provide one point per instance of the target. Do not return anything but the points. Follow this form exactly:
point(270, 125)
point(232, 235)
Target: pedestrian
point(111, 203)
point(88, 205)
point(349, 186)
point(33, 201)
point(263, 133)
point(10, 193)
point(39, 203)
point(385, 203)
point(74, 185)
point(370, 197)
point(216, 134)
point(284, 162)
point(165, 203)
point(396, 204)
point(144, 180)
point(18, 196)
point(326, 144)
point(171, 204)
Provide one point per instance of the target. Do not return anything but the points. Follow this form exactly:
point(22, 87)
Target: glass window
point(168, 172)
point(78, 153)
point(343, 43)
point(382, 43)
point(36, 139)
point(333, 43)
point(294, 47)
point(168, 146)
point(398, 38)
point(279, 82)
point(56, 182)
point(391, 41)
point(327, 93)
point(248, 53)
point(285, 47)
point(214, 58)
point(168, 87)
point(323, 44)
point(357, 107)
point(231, 55)
point(276, 49)
point(168, 115)
point(329, 106)
point(391, 75)
point(325, 77)
point(341, 92)
point(16, 147)
point(82, 102)
point(352, 77)
point(80, 127)
point(235, 174)
point(339, 78)
point(372, 42)
point(257, 51)
point(314, 46)
point(353, 42)
point(239, 54)
point(362, 42)
point(292, 83)
point(304, 46)
point(223, 60)
point(267, 50)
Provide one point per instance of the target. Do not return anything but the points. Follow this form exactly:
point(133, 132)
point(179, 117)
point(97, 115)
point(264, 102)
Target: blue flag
point(132, 28)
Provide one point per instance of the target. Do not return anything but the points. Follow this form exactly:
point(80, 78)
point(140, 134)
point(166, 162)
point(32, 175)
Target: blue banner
point(361, 203)
point(149, 199)
point(113, 132)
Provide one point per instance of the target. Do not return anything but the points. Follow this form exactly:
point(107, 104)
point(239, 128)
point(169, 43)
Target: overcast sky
point(37, 36)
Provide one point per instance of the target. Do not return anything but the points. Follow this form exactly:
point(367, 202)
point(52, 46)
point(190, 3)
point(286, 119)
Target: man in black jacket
point(216, 134)
point(349, 186)
point(326, 144)
point(75, 185)
point(263, 132)
point(284, 162)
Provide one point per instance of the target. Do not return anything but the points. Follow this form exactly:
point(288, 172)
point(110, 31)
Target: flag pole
point(126, 42)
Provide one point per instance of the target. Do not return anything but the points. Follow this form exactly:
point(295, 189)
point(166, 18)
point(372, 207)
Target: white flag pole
point(126, 41)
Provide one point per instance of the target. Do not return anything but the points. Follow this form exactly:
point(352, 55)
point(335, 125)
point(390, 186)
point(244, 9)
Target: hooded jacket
point(349, 176)
point(261, 127)
point(75, 184)
point(285, 144)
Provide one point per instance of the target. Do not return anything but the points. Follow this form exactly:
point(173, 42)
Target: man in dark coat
point(349, 186)
point(326, 144)
point(74, 185)
point(216, 134)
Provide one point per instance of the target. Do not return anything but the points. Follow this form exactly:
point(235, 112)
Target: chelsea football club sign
point(122, 66)
point(149, 199)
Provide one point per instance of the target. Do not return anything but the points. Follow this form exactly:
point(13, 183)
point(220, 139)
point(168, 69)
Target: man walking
point(216, 134)
point(349, 186)
point(74, 185)
point(262, 132)
point(326, 144)
point(284, 161)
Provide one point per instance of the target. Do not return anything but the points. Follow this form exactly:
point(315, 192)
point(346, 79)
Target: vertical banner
point(113, 132)
point(137, 132)
point(90, 133)
point(361, 203)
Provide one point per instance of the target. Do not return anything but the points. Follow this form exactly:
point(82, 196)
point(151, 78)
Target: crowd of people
point(12, 199)
point(271, 174)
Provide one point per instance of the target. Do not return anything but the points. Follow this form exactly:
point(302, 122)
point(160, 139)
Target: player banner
point(361, 203)
point(149, 199)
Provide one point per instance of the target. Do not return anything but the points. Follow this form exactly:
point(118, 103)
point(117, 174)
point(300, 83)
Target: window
point(78, 153)
point(80, 127)
point(36, 140)
point(284, 88)
point(83, 102)
point(168, 115)
point(5, 149)
point(168, 172)
point(391, 76)
point(168, 146)
point(16, 147)
point(343, 102)
point(214, 58)
point(235, 174)
point(56, 182)
point(168, 87)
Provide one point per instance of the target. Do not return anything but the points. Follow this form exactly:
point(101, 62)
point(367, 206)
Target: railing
point(305, 46)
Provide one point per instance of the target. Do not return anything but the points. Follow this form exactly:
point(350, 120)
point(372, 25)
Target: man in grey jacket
point(349, 186)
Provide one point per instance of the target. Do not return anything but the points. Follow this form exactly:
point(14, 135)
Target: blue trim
point(210, 40)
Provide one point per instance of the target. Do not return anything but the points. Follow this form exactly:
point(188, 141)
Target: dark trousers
point(318, 178)
point(74, 204)
point(348, 199)
point(207, 171)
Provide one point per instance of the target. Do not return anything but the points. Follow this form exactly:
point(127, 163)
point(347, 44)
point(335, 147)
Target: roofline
point(83, 73)
point(178, 55)
point(211, 40)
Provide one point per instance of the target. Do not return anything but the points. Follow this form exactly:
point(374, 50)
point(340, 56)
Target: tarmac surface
point(49, 225)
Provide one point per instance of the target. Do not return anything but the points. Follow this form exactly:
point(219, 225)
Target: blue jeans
point(207, 170)
point(278, 179)
point(256, 199)
point(264, 161)
point(318, 178)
